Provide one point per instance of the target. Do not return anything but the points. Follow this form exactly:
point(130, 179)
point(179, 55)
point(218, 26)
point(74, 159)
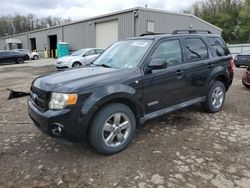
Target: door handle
point(210, 65)
point(179, 72)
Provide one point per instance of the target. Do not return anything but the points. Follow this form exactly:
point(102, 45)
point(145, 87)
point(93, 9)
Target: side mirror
point(157, 64)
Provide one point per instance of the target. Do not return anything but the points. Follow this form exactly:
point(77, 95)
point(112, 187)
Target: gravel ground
point(188, 148)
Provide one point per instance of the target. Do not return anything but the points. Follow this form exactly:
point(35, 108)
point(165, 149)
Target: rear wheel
point(112, 129)
point(76, 64)
point(215, 97)
point(20, 61)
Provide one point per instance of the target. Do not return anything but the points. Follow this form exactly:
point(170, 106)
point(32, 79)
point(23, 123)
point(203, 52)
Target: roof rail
point(145, 34)
point(190, 32)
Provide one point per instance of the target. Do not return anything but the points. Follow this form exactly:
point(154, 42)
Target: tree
point(17, 24)
point(233, 16)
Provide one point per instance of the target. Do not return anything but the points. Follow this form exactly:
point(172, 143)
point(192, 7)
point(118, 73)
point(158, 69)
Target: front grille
point(40, 98)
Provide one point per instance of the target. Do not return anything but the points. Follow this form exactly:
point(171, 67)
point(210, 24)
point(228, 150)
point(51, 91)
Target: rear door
point(197, 67)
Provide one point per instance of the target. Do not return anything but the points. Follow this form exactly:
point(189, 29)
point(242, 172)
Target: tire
point(247, 86)
point(20, 60)
point(76, 64)
point(215, 97)
point(106, 125)
point(35, 57)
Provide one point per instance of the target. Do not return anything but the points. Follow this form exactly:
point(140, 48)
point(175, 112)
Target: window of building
point(150, 27)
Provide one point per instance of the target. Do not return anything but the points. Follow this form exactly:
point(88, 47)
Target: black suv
point(134, 80)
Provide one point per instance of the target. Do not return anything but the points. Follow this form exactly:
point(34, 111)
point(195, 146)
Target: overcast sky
point(79, 9)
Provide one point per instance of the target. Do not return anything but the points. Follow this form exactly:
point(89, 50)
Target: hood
point(75, 79)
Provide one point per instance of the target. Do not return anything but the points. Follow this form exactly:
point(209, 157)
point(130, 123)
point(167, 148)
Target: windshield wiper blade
point(102, 65)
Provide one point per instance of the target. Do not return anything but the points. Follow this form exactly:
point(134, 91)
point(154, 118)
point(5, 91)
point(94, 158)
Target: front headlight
point(61, 100)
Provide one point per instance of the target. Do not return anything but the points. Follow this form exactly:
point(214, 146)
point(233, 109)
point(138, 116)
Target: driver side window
point(91, 52)
point(170, 51)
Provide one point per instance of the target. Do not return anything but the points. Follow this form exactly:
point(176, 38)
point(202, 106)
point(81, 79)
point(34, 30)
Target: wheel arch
point(121, 97)
point(219, 74)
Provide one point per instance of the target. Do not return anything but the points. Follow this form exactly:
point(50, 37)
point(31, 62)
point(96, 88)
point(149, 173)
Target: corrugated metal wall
point(168, 22)
point(82, 34)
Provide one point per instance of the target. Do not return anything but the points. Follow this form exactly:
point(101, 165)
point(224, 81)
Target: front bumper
point(61, 65)
point(70, 119)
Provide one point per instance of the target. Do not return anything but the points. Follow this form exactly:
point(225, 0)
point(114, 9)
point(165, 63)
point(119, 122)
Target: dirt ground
point(189, 148)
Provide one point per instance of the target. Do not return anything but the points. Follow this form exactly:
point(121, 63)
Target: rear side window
point(195, 49)
point(218, 46)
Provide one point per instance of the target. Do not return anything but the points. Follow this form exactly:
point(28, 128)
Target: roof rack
point(190, 32)
point(145, 34)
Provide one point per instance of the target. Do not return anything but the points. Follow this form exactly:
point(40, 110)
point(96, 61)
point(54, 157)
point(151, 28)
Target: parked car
point(12, 56)
point(32, 55)
point(133, 81)
point(242, 59)
point(81, 57)
point(246, 77)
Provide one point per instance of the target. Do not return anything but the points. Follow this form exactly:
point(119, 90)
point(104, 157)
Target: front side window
point(218, 46)
point(124, 54)
point(91, 52)
point(99, 51)
point(79, 52)
point(170, 51)
point(195, 49)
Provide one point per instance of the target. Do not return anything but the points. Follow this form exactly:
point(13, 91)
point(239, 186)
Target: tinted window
point(218, 46)
point(170, 51)
point(195, 49)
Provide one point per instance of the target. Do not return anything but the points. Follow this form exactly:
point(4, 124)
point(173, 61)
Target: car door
point(7, 57)
point(164, 87)
point(90, 56)
point(197, 66)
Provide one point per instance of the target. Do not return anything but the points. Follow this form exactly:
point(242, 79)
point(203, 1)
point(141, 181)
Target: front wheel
point(247, 86)
point(112, 129)
point(215, 97)
point(76, 64)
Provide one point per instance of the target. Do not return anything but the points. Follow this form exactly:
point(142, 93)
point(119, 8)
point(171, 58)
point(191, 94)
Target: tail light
point(232, 65)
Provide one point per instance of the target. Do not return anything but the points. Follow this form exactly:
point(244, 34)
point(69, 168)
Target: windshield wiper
point(193, 52)
point(102, 65)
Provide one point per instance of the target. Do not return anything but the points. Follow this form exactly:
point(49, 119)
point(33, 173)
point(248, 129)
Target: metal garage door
point(106, 33)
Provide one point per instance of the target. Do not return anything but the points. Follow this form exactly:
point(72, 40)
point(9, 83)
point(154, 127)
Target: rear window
point(218, 46)
point(195, 49)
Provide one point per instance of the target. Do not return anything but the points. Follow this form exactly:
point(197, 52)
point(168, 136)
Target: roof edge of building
point(112, 14)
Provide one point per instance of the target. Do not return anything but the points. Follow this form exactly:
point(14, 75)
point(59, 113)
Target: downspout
point(136, 14)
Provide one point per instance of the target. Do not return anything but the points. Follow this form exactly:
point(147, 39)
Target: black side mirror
point(157, 64)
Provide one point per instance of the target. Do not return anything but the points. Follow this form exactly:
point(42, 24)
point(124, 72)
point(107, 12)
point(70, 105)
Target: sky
point(80, 9)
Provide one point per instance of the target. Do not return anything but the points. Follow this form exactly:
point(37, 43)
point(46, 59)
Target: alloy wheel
point(116, 129)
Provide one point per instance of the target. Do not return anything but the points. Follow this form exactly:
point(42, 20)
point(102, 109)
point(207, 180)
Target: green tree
point(233, 16)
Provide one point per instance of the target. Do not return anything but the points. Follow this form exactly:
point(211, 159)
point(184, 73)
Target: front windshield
point(79, 52)
point(124, 54)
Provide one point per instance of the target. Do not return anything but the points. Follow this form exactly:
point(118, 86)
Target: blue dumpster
point(62, 49)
